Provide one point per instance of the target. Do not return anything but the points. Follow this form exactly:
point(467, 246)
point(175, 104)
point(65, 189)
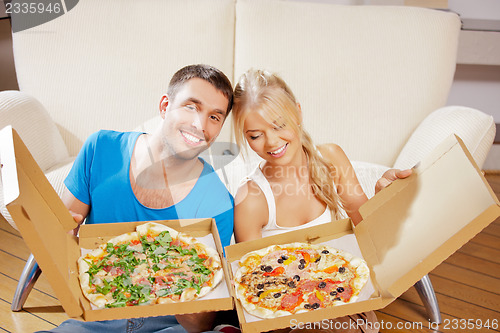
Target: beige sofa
point(374, 79)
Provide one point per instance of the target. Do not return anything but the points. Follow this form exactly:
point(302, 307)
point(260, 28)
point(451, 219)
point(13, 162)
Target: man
point(120, 177)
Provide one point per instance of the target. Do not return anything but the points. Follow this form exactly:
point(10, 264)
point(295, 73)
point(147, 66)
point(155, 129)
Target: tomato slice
point(331, 269)
point(275, 272)
point(306, 256)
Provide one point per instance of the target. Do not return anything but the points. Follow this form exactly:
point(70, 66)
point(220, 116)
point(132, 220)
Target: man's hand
point(389, 176)
point(78, 219)
point(197, 322)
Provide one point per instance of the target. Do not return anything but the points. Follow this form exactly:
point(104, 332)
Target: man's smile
point(191, 138)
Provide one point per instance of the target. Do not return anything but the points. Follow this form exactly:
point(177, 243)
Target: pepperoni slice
point(330, 286)
point(308, 285)
point(291, 301)
point(313, 299)
point(346, 294)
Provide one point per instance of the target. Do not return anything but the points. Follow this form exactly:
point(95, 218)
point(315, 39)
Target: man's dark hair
point(208, 73)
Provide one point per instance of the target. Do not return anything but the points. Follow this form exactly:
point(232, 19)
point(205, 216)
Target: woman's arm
point(250, 213)
point(348, 186)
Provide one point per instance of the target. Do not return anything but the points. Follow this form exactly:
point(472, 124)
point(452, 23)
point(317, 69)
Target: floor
point(467, 286)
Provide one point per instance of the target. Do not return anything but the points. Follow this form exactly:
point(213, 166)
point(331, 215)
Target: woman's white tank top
point(272, 228)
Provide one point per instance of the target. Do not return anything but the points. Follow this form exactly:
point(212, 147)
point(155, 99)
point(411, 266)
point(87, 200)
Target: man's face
point(193, 120)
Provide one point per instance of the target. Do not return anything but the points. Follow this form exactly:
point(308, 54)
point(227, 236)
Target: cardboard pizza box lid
point(416, 223)
point(43, 220)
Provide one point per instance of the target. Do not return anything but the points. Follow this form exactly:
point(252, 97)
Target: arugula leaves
point(159, 254)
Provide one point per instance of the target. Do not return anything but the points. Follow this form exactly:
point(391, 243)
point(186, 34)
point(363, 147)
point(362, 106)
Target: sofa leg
point(30, 274)
point(428, 297)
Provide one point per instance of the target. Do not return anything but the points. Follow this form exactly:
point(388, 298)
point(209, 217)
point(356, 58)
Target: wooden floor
point(467, 286)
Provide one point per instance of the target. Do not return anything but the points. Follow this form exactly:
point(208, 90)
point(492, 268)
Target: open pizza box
point(44, 222)
point(408, 229)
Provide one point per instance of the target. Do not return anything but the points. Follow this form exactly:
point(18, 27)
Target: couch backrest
point(106, 64)
point(365, 76)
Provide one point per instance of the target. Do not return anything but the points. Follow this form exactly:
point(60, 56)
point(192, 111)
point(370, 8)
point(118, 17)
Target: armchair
point(373, 79)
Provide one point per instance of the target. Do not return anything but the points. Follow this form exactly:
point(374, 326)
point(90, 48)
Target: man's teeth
point(191, 138)
point(276, 152)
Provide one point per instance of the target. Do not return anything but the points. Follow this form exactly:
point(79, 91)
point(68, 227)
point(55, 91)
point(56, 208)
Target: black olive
point(296, 277)
point(260, 286)
point(340, 290)
point(280, 261)
point(268, 269)
point(315, 306)
point(333, 293)
point(302, 266)
point(325, 251)
point(302, 261)
point(255, 273)
point(292, 284)
point(317, 259)
point(307, 306)
point(260, 292)
point(337, 299)
point(341, 269)
point(277, 295)
point(284, 257)
point(263, 267)
point(322, 285)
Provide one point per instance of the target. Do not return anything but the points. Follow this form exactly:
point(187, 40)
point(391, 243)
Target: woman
point(298, 185)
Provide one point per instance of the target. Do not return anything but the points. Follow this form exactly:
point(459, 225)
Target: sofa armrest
point(474, 127)
point(33, 123)
point(37, 130)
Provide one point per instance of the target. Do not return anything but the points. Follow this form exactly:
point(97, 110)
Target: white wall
point(478, 86)
point(476, 9)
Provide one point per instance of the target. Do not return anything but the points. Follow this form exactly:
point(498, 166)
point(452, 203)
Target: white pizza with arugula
point(286, 279)
point(153, 265)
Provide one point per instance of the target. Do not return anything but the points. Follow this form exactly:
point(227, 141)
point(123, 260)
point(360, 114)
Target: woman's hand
point(389, 176)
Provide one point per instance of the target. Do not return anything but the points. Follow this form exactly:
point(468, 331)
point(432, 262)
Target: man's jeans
point(163, 324)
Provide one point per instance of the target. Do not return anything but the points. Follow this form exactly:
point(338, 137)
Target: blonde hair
point(266, 93)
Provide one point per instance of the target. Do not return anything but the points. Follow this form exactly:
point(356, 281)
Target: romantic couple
point(132, 176)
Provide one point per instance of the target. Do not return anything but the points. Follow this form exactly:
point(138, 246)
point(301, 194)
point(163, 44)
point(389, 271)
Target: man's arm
point(78, 209)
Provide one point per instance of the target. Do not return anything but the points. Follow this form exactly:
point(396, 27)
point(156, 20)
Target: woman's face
point(273, 141)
